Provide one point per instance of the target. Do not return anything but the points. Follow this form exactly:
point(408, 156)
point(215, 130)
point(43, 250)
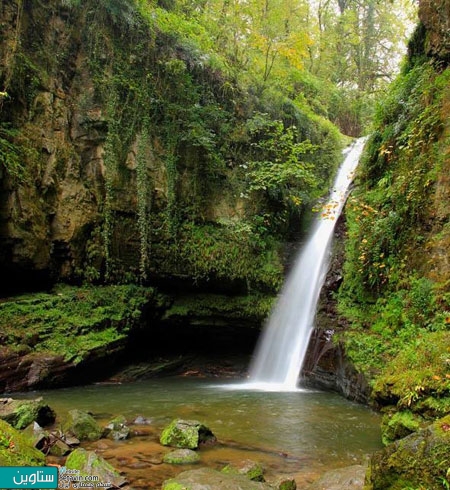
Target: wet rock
point(90, 464)
point(186, 434)
point(181, 456)
point(209, 479)
point(248, 468)
point(349, 478)
point(117, 430)
point(16, 449)
point(21, 413)
point(285, 483)
point(140, 420)
point(83, 426)
point(420, 460)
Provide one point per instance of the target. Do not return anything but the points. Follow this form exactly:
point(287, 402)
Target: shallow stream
point(301, 433)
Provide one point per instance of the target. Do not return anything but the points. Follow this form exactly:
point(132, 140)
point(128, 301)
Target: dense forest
point(159, 159)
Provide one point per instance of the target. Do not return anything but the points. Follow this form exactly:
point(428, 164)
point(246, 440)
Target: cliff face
point(435, 16)
point(124, 154)
point(394, 297)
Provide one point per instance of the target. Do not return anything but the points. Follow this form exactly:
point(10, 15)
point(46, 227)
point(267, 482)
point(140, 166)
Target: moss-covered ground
point(73, 321)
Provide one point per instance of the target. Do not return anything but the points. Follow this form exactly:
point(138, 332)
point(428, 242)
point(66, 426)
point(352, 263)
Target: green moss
point(420, 460)
point(181, 456)
point(83, 426)
point(394, 293)
point(253, 307)
point(74, 321)
point(398, 425)
point(16, 449)
point(250, 469)
point(186, 434)
point(173, 485)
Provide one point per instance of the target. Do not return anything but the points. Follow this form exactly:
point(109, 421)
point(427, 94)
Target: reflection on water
point(302, 433)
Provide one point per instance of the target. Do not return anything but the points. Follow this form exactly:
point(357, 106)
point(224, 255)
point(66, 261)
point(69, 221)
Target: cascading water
point(282, 346)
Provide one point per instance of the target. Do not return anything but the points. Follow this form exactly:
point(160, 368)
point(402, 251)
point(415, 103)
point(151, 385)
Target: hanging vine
point(143, 200)
point(110, 159)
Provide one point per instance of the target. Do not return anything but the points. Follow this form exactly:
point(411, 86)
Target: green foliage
point(11, 155)
point(282, 175)
point(231, 251)
point(395, 300)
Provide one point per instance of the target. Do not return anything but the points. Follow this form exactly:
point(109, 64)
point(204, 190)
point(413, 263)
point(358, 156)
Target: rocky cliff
point(124, 154)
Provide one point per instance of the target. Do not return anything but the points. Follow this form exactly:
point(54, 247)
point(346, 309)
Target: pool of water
point(301, 433)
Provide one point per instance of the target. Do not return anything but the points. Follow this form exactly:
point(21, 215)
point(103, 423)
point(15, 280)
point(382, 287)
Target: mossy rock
point(117, 429)
point(420, 460)
point(83, 426)
point(398, 425)
point(248, 468)
point(181, 456)
point(186, 434)
point(91, 464)
point(16, 449)
point(21, 413)
point(209, 479)
point(285, 483)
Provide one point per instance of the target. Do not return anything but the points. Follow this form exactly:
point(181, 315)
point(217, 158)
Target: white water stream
point(281, 349)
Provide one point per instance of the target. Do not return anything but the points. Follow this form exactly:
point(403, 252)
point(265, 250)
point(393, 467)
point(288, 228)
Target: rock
point(285, 483)
point(90, 464)
point(140, 420)
point(420, 460)
point(186, 434)
point(83, 426)
point(398, 425)
point(58, 447)
point(16, 449)
point(21, 413)
point(349, 478)
point(248, 468)
point(209, 479)
point(181, 456)
point(117, 430)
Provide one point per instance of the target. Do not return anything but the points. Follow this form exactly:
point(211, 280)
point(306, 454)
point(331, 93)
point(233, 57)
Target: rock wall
point(435, 16)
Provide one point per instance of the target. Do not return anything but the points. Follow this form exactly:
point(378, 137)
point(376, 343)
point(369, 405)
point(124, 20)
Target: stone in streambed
point(90, 464)
point(117, 429)
point(285, 483)
point(186, 434)
point(248, 468)
point(83, 426)
point(21, 413)
point(181, 456)
point(209, 479)
point(349, 478)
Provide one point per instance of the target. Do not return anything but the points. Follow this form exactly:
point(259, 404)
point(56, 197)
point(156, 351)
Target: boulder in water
point(83, 426)
point(285, 483)
point(181, 456)
point(248, 468)
point(209, 479)
point(186, 434)
point(117, 429)
point(88, 463)
point(348, 478)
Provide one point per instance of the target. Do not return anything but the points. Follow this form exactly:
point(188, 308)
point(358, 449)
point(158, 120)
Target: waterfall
point(281, 349)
